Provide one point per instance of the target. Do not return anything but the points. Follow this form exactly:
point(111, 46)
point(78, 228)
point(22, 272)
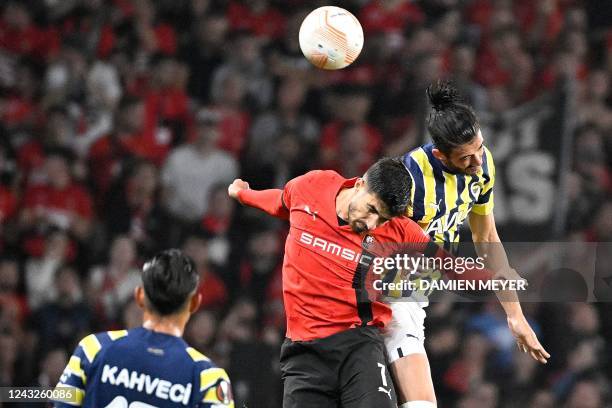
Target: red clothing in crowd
point(233, 128)
point(270, 23)
point(105, 157)
point(8, 204)
point(213, 291)
point(375, 18)
point(18, 110)
point(31, 41)
point(331, 141)
point(59, 206)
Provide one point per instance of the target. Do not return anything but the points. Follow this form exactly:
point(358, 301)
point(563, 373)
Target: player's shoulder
point(214, 383)
point(403, 227)
point(199, 359)
point(94, 343)
point(417, 160)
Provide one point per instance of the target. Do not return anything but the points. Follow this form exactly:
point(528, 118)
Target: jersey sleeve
point(215, 388)
point(270, 201)
point(484, 204)
point(75, 374)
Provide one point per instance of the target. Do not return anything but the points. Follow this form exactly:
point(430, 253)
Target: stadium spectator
point(133, 207)
point(205, 54)
point(350, 134)
point(56, 322)
point(211, 287)
point(112, 285)
point(185, 191)
point(58, 203)
point(40, 272)
point(287, 117)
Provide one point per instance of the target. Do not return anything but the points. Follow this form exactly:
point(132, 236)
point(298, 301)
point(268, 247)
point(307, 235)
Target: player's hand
point(237, 186)
point(526, 340)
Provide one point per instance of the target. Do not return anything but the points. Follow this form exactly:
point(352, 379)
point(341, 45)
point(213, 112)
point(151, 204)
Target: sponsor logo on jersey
point(446, 222)
point(133, 380)
point(334, 249)
point(224, 393)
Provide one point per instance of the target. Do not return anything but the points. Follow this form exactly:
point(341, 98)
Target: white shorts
point(405, 334)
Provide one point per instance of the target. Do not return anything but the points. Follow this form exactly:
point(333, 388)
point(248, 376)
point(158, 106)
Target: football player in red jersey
point(333, 352)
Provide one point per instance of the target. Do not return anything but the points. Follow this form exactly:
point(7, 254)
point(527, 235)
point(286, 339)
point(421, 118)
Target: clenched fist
point(237, 186)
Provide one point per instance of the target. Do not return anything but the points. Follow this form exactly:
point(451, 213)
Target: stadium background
point(123, 121)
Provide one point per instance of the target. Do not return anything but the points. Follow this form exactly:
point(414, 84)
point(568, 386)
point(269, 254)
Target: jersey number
point(121, 402)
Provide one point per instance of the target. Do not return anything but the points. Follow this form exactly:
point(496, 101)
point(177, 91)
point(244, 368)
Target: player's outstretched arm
point(484, 232)
point(270, 201)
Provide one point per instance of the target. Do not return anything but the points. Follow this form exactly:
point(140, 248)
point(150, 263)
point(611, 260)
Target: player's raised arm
point(487, 242)
point(270, 201)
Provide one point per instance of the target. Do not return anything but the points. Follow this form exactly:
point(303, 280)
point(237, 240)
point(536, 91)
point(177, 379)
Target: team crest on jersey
point(224, 392)
point(475, 189)
point(368, 241)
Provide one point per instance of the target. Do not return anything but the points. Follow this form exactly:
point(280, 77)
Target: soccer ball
point(331, 37)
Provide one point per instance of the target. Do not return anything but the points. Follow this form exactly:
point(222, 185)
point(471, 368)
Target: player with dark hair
point(333, 352)
point(150, 366)
point(451, 179)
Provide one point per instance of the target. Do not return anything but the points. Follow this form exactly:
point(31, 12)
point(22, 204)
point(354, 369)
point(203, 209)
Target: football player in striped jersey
point(452, 180)
point(150, 366)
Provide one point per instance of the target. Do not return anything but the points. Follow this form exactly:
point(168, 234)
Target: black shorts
point(346, 370)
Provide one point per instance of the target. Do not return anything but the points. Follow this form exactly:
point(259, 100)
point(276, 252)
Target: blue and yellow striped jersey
point(442, 199)
point(142, 368)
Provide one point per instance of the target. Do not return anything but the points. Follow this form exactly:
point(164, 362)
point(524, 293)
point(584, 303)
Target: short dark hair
point(168, 279)
point(390, 181)
point(451, 123)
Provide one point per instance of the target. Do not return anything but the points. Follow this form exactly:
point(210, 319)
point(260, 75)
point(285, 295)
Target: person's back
point(150, 366)
point(122, 367)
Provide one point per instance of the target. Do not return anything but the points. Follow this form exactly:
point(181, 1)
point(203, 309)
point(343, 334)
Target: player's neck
point(171, 325)
point(342, 202)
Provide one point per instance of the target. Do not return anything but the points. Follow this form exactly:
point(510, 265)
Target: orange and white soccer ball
point(331, 37)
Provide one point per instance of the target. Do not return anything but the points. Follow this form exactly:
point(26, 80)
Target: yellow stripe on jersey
point(410, 208)
point(450, 198)
point(117, 334)
point(429, 183)
point(74, 365)
point(196, 355)
point(485, 206)
point(77, 394)
point(91, 346)
point(210, 376)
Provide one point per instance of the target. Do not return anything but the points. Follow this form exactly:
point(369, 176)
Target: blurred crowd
point(123, 121)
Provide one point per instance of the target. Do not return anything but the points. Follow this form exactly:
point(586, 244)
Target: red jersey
point(323, 287)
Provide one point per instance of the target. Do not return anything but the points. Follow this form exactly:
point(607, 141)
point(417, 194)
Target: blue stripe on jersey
point(485, 197)
point(418, 209)
point(440, 181)
point(485, 168)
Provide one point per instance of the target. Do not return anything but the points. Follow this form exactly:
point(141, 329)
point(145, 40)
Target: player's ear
point(438, 154)
point(194, 303)
point(139, 296)
point(359, 183)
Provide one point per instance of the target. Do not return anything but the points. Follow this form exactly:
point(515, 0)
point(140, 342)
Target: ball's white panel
point(331, 37)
